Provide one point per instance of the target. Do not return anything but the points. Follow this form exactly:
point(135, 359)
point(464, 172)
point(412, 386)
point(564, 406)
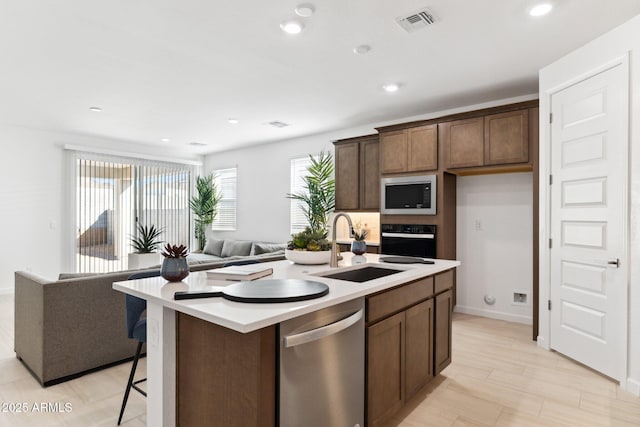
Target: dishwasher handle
point(323, 331)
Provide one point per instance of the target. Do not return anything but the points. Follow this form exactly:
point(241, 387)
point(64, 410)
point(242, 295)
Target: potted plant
point(204, 206)
point(317, 202)
point(145, 244)
point(174, 267)
point(359, 245)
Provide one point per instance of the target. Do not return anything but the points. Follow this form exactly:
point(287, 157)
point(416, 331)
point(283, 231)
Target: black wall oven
point(417, 240)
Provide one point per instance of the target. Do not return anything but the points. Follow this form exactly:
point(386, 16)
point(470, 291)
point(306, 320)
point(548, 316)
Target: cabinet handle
point(323, 331)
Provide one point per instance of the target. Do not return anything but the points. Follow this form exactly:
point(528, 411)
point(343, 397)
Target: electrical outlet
point(520, 298)
point(478, 225)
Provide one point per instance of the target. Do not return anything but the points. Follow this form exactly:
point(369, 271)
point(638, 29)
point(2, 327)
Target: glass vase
point(358, 247)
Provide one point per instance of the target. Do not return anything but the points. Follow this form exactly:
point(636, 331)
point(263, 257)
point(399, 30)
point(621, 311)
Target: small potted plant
point(145, 245)
point(174, 267)
point(359, 245)
point(309, 247)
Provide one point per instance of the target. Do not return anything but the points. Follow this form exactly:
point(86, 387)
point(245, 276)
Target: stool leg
point(133, 372)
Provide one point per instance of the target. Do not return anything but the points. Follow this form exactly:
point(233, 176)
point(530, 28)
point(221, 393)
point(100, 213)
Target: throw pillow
point(236, 247)
point(266, 248)
point(213, 247)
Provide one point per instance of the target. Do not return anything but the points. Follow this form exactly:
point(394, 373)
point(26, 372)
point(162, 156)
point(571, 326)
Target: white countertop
point(247, 317)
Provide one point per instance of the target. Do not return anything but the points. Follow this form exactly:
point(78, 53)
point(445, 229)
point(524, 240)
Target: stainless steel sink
point(363, 274)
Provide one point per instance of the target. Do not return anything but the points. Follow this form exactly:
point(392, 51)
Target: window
point(112, 194)
point(298, 172)
point(226, 183)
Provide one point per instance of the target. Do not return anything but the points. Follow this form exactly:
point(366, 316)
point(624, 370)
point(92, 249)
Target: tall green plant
point(319, 197)
point(204, 206)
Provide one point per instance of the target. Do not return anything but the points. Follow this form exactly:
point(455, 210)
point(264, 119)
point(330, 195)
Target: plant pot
point(358, 247)
point(136, 261)
point(308, 257)
point(174, 269)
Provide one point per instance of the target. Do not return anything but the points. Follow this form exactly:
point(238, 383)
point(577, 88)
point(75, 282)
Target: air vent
point(417, 21)
point(197, 144)
point(277, 124)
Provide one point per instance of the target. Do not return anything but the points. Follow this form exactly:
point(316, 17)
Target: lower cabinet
point(408, 343)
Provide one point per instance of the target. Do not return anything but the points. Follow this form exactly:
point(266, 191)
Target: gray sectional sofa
point(76, 324)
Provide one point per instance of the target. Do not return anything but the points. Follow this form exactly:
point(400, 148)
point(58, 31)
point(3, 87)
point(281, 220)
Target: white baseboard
point(633, 386)
point(494, 314)
point(6, 291)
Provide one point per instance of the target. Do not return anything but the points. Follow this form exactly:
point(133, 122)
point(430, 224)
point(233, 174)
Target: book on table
point(240, 272)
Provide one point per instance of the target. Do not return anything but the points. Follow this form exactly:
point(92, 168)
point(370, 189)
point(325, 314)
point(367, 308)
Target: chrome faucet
point(334, 245)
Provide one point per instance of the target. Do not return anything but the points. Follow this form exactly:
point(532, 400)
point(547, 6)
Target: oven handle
point(410, 236)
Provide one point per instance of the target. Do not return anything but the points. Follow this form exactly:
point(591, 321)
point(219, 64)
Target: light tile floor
point(498, 377)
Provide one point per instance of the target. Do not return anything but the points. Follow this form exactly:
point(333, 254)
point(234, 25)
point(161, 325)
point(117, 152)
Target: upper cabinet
point(409, 150)
point(357, 173)
point(490, 140)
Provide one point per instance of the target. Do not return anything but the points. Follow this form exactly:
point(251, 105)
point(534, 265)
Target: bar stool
point(136, 329)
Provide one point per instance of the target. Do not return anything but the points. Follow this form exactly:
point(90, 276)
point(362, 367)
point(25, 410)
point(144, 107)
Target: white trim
point(7, 291)
point(96, 150)
point(509, 317)
point(544, 288)
point(632, 386)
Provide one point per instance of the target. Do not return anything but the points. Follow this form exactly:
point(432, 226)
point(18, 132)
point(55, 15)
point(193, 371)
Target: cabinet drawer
point(444, 281)
point(389, 302)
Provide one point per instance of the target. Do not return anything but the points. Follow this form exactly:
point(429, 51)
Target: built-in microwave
point(408, 195)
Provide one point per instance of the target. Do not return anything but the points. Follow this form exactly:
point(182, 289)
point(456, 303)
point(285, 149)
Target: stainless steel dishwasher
point(322, 368)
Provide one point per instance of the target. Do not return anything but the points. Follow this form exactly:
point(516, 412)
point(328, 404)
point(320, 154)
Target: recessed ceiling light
point(362, 49)
point(391, 87)
point(541, 9)
point(305, 10)
point(165, 140)
point(292, 26)
point(95, 109)
point(233, 121)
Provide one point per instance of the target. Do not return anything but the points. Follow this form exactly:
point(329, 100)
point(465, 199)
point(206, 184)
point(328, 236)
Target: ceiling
point(180, 69)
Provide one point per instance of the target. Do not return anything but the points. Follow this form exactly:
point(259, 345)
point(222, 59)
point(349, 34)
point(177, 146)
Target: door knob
point(615, 262)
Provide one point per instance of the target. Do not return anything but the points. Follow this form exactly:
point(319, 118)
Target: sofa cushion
point(236, 247)
point(65, 276)
point(214, 247)
point(260, 248)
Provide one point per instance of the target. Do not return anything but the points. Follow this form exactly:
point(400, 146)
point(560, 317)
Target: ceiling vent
point(197, 144)
point(277, 124)
point(417, 21)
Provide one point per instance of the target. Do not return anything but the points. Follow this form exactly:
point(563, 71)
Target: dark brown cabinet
point(357, 173)
point(506, 138)
point(385, 369)
point(419, 347)
point(409, 150)
point(442, 336)
point(401, 332)
point(490, 140)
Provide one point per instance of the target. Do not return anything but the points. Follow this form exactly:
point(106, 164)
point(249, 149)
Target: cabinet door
point(418, 347)
point(442, 331)
point(506, 138)
point(462, 142)
point(423, 148)
point(347, 175)
point(370, 174)
point(385, 369)
point(393, 152)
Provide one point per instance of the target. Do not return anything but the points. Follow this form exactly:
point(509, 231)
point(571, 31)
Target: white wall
point(494, 245)
point(33, 195)
point(618, 42)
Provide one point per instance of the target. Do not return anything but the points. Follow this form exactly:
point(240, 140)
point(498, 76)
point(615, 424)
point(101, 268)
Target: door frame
point(544, 212)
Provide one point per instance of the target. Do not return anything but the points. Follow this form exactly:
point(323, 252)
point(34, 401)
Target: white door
point(589, 163)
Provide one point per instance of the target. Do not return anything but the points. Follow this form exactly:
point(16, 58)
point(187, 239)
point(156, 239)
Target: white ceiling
point(181, 68)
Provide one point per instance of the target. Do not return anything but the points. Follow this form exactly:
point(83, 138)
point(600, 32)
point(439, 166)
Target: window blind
point(298, 171)
point(226, 182)
point(113, 194)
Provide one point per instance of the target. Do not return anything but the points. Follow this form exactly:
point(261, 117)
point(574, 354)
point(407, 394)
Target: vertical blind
point(226, 183)
point(114, 194)
point(299, 168)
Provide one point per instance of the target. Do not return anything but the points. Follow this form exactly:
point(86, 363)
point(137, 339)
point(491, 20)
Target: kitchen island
point(201, 348)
